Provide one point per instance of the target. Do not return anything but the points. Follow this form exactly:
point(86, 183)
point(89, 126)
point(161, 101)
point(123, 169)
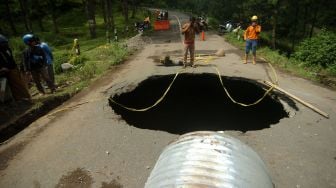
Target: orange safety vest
point(252, 32)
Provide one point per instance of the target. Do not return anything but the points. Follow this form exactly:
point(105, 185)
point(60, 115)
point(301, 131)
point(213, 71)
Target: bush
point(76, 60)
point(318, 50)
point(88, 71)
point(213, 23)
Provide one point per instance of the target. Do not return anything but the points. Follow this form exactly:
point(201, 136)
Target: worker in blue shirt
point(50, 58)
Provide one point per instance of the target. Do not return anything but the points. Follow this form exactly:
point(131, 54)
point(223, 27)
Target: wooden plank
point(298, 99)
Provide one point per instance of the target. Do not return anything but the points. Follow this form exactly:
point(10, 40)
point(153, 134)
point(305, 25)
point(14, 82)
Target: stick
point(298, 99)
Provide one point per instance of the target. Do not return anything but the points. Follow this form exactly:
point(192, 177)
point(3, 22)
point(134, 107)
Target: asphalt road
point(92, 146)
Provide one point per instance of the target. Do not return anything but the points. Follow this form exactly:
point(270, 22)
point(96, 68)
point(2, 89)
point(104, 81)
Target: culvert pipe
point(211, 160)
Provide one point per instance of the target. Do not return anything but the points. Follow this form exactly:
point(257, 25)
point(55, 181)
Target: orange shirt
point(252, 32)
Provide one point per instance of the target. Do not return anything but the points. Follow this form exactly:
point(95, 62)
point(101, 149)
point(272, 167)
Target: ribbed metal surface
point(209, 160)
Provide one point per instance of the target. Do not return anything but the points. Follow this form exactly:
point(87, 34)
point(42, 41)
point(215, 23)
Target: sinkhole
point(197, 102)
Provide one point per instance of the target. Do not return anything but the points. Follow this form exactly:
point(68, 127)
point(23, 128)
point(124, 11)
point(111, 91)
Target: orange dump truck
point(162, 21)
point(161, 25)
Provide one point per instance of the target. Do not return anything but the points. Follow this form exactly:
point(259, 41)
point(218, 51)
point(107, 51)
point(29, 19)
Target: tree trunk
point(9, 18)
point(91, 11)
point(27, 22)
point(109, 19)
point(103, 7)
point(54, 21)
point(40, 23)
point(305, 20)
point(53, 15)
point(314, 21)
point(274, 33)
point(109, 12)
point(134, 8)
point(274, 23)
point(37, 13)
point(295, 24)
point(125, 10)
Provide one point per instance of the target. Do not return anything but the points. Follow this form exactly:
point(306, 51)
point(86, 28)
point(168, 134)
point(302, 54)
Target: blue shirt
point(48, 53)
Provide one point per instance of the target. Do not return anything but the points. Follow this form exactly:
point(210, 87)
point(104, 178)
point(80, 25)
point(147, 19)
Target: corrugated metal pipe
point(209, 160)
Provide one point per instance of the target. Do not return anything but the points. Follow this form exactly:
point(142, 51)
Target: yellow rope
point(207, 60)
point(152, 106)
point(236, 102)
point(171, 84)
point(276, 80)
point(168, 89)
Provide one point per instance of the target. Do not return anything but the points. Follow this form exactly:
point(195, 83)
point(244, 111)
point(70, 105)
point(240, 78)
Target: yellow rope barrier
point(152, 106)
point(239, 103)
point(171, 84)
point(206, 60)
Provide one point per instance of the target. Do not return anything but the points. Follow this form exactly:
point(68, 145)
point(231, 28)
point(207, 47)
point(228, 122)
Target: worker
point(146, 23)
point(76, 46)
point(189, 30)
point(9, 70)
point(49, 57)
point(251, 37)
point(35, 62)
point(157, 14)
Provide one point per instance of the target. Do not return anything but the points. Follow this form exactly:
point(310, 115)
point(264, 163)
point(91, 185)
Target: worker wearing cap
point(35, 62)
point(251, 37)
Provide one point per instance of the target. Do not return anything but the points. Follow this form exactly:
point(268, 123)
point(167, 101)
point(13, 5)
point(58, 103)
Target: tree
point(9, 17)
point(135, 5)
point(125, 10)
point(53, 8)
point(276, 6)
point(103, 8)
point(25, 13)
point(108, 17)
point(91, 15)
point(316, 10)
point(296, 5)
point(38, 12)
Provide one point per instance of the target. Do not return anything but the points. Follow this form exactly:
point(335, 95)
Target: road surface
point(92, 146)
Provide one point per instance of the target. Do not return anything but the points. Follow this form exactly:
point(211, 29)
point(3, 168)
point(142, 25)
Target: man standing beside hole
point(35, 62)
point(251, 37)
point(49, 56)
point(189, 30)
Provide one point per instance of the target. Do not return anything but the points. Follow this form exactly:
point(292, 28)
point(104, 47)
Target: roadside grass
point(326, 76)
point(97, 55)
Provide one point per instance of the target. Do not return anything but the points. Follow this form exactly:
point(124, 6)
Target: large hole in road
point(198, 102)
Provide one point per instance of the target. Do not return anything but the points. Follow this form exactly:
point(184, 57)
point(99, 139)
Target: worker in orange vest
point(251, 37)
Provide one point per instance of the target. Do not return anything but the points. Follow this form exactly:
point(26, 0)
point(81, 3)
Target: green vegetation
point(97, 54)
point(319, 50)
point(298, 36)
point(293, 64)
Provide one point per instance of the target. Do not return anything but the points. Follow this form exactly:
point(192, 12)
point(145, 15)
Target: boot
point(245, 60)
point(254, 60)
point(184, 64)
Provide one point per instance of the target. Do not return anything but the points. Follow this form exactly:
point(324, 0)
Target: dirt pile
point(137, 42)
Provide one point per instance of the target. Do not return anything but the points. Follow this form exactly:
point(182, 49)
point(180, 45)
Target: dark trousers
point(42, 73)
point(51, 73)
